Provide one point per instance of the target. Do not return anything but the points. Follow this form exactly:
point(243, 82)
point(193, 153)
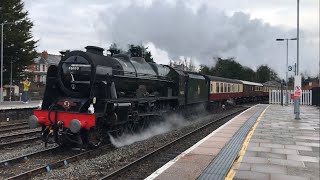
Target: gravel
point(9, 153)
point(109, 161)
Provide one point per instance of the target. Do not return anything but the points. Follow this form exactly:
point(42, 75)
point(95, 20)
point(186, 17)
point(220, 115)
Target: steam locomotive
point(90, 96)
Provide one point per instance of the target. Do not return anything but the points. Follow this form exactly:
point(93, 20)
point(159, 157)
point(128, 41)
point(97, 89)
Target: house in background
point(37, 72)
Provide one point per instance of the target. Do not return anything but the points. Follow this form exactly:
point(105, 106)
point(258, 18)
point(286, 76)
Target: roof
point(272, 84)
point(216, 78)
point(52, 59)
point(251, 83)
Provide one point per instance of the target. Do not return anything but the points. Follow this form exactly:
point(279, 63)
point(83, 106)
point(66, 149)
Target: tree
point(140, 51)
point(148, 56)
point(248, 74)
point(113, 49)
point(265, 73)
point(185, 64)
point(227, 68)
point(18, 43)
point(205, 70)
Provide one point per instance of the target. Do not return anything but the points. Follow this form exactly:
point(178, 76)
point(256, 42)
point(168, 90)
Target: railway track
point(18, 142)
point(27, 166)
point(163, 154)
point(13, 124)
point(7, 138)
point(33, 165)
point(13, 127)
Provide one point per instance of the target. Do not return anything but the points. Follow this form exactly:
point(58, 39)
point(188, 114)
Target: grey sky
point(199, 29)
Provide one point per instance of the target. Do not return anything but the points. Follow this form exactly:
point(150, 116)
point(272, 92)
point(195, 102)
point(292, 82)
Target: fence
point(275, 97)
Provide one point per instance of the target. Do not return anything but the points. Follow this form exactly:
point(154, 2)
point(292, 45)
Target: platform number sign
point(289, 68)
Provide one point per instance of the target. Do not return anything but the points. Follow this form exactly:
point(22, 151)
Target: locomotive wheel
point(95, 137)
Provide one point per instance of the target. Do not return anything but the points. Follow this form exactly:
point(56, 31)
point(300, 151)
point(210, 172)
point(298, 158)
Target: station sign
point(297, 86)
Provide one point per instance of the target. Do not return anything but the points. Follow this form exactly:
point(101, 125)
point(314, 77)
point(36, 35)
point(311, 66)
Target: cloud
point(204, 32)
point(199, 29)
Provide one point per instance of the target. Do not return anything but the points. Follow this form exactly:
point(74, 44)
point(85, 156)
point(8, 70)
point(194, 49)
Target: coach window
point(225, 85)
point(211, 88)
point(217, 88)
point(229, 88)
point(221, 87)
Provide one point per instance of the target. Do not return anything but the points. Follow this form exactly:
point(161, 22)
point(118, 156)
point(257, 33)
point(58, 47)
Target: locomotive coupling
point(33, 122)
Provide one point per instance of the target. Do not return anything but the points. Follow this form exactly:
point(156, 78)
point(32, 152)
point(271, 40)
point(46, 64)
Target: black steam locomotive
point(89, 96)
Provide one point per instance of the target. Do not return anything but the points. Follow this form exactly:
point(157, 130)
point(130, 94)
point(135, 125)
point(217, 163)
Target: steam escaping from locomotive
point(171, 122)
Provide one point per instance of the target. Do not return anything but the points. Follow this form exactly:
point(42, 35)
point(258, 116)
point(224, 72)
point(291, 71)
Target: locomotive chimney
point(95, 50)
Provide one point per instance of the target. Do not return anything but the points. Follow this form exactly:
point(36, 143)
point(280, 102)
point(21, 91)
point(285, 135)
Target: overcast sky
point(198, 29)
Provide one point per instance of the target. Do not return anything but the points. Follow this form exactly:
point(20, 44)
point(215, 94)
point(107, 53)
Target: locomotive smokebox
point(95, 50)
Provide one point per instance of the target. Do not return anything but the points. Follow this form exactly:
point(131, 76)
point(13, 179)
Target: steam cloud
point(171, 122)
point(203, 34)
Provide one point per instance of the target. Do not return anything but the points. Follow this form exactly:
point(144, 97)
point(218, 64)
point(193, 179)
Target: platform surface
point(7, 105)
point(198, 159)
point(275, 147)
point(282, 147)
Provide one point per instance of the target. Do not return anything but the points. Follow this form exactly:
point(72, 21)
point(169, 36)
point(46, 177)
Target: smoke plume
point(202, 34)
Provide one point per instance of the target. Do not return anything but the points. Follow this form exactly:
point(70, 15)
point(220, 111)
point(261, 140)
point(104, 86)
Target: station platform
point(263, 142)
point(8, 105)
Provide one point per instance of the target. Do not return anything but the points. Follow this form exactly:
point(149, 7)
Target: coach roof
point(221, 79)
point(251, 83)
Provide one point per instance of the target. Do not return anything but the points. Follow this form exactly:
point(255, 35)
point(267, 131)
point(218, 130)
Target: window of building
point(38, 67)
point(35, 78)
point(43, 67)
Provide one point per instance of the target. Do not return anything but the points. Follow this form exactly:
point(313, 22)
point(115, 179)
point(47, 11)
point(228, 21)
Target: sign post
point(297, 95)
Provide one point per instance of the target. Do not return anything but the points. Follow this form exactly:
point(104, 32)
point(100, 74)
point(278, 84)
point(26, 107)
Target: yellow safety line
point(243, 149)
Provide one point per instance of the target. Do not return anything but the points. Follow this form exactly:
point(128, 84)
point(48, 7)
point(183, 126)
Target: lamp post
point(297, 100)
point(1, 73)
point(286, 39)
point(11, 81)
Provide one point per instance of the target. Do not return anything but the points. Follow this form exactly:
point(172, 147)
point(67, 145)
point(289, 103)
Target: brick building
point(37, 72)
